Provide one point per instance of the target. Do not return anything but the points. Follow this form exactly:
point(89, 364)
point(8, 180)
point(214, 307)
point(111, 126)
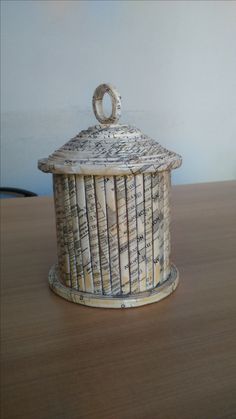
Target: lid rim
point(90, 168)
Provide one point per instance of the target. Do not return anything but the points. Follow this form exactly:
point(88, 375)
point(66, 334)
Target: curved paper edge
point(91, 300)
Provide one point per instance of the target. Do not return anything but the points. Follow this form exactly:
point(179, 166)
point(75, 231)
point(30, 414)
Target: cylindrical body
point(113, 232)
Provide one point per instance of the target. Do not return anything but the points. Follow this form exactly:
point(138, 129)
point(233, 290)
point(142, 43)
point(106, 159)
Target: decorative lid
point(110, 148)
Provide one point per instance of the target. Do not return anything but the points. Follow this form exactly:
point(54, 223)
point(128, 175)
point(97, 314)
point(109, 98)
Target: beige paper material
point(141, 232)
point(166, 237)
point(123, 234)
point(111, 189)
point(93, 233)
point(68, 227)
point(103, 234)
point(63, 253)
point(132, 233)
point(113, 234)
point(148, 229)
point(155, 229)
point(84, 233)
point(76, 233)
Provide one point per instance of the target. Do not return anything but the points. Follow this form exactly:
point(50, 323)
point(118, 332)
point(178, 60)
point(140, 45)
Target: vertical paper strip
point(93, 233)
point(141, 232)
point(155, 229)
point(84, 233)
point(59, 218)
point(103, 234)
point(63, 253)
point(132, 233)
point(69, 232)
point(148, 229)
point(166, 204)
point(161, 225)
point(113, 234)
point(123, 234)
point(76, 234)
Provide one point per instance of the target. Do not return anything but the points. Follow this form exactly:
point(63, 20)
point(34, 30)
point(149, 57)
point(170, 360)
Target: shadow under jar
point(111, 191)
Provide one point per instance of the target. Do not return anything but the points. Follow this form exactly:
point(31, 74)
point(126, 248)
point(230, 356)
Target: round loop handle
point(115, 101)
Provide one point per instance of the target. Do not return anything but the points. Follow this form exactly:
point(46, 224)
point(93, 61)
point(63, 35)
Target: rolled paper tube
point(132, 233)
point(76, 233)
point(123, 234)
point(113, 233)
point(93, 233)
point(161, 225)
point(69, 232)
point(63, 254)
point(103, 234)
point(141, 232)
point(155, 229)
point(84, 234)
point(166, 238)
point(148, 229)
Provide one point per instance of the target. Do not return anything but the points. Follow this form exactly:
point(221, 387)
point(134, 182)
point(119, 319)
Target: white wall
point(174, 63)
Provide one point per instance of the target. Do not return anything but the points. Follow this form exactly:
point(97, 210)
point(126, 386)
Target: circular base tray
point(107, 301)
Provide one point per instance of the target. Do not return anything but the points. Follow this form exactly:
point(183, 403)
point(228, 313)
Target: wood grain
point(174, 359)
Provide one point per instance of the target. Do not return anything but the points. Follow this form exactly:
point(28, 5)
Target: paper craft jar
point(111, 190)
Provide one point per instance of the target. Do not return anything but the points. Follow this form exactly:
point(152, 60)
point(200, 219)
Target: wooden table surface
point(172, 359)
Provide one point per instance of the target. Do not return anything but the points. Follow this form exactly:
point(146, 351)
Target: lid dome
point(110, 148)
